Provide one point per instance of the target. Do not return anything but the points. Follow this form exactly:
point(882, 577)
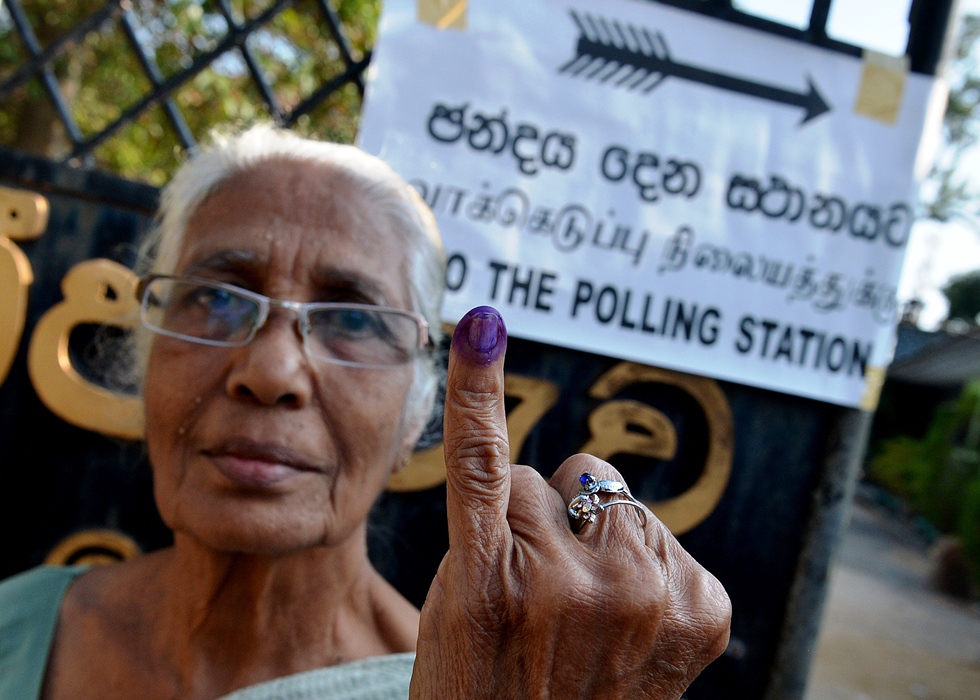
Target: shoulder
point(29, 607)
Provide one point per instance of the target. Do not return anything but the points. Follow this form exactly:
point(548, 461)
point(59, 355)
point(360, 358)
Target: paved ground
point(885, 634)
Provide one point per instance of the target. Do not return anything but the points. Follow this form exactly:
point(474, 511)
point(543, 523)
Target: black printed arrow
point(640, 59)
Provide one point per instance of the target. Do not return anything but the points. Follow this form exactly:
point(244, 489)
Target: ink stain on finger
point(480, 336)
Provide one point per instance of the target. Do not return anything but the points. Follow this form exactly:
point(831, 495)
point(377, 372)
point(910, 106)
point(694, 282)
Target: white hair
point(389, 194)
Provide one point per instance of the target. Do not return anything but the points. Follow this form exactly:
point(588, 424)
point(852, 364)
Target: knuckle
point(566, 476)
point(600, 469)
point(531, 503)
point(470, 399)
point(562, 579)
point(717, 607)
point(621, 590)
point(591, 463)
point(480, 445)
point(575, 596)
point(706, 611)
point(523, 476)
point(653, 600)
point(707, 640)
point(718, 642)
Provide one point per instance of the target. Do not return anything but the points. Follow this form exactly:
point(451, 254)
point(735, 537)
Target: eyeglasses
point(215, 313)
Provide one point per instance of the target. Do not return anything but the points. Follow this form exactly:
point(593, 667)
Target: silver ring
point(587, 505)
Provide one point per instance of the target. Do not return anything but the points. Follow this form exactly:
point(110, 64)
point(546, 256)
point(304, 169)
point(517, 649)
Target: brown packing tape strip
point(442, 14)
point(882, 87)
point(874, 380)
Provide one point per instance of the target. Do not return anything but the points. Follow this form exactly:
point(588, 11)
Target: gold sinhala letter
point(610, 425)
point(427, 468)
point(23, 217)
point(96, 291)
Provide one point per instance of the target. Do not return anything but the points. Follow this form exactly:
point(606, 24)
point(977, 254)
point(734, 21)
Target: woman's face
point(262, 448)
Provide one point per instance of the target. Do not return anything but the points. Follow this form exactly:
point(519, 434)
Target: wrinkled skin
point(525, 607)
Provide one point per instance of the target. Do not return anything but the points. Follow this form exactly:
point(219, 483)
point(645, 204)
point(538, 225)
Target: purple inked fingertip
point(480, 336)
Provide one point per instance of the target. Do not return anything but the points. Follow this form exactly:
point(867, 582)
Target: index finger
point(475, 432)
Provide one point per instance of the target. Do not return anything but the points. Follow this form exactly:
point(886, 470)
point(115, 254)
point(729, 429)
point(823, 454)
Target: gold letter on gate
point(96, 291)
point(611, 434)
point(427, 468)
point(23, 217)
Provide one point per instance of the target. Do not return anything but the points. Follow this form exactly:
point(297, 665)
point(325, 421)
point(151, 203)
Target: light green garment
point(378, 678)
point(29, 605)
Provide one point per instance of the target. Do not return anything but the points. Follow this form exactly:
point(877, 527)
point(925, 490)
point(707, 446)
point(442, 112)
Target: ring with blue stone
point(587, 505)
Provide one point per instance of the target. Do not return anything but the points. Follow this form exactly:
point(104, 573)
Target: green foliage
point(101, 76)
point(903, 466)
point(950, 195)
point(939, 475)
point(969, 525)
point(963, 294)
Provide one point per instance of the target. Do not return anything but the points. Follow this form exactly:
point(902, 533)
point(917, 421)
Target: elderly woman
point(294, 301)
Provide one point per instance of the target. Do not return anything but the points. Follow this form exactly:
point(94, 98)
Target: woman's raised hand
point(525, 606)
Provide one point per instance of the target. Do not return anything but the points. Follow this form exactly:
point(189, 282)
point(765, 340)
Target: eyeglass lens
point(372, 337)
point(199, 311)
point(214, 314)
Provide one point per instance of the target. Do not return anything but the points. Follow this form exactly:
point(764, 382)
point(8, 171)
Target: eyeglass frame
point(266, 304)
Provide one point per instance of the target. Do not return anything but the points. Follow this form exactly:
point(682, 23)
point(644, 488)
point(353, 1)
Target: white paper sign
point(646, 183)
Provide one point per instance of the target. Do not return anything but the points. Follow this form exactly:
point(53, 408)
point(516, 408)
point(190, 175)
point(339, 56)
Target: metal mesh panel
point(78, 80)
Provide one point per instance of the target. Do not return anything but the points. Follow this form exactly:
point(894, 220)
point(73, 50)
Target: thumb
point(475, 433)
